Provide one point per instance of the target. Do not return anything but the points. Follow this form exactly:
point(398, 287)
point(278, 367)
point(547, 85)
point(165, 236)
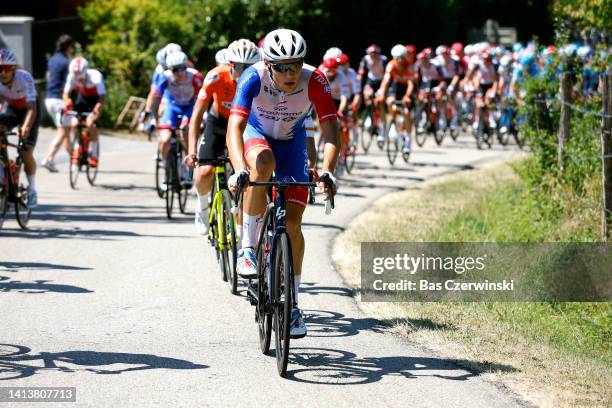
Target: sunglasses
point(179, 69)
point(6, 69)
point(292, 66)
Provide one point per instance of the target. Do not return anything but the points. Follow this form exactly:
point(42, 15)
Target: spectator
point(57, 71)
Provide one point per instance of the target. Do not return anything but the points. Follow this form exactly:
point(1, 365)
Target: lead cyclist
point(266, 134)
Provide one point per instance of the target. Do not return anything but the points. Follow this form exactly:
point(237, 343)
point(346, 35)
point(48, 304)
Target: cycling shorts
point(397, 90)
point(373, 83)
point(212, 144)
point(13, 117)
point(291, 161)
point(170, 117)
point(484, 88)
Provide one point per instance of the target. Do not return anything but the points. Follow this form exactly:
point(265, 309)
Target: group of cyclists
point(258, 104)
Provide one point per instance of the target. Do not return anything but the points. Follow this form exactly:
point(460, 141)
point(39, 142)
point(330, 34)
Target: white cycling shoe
point(298, 328)
point(246, 264)
point(201, 222)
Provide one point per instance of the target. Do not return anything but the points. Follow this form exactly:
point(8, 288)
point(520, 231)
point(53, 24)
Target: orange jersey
point(407, 72)
point(219, 84)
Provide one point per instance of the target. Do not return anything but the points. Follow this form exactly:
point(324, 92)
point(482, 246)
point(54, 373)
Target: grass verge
point(552, 354)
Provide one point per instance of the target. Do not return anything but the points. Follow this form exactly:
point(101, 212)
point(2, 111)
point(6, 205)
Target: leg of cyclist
point(54, 107)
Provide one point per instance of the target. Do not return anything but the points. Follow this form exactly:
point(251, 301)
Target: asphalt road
point(106, 295)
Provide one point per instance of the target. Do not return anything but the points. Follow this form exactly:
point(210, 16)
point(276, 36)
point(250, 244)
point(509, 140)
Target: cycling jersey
point(20, 91)
point(376, 70)
point(431, 75)
point(448, 70)
point(275, 114)
point(351, 76)
point(219, 83)
point(179, 91)
point(157, 73)
point(92, 86)
point(400, 75)
point(487, 74)
point(340, 86)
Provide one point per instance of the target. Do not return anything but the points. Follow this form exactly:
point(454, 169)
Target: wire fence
point(550, 108)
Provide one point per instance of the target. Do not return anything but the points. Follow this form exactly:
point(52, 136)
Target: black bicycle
point(176, 180)
point(12, 189)
point(272, 292)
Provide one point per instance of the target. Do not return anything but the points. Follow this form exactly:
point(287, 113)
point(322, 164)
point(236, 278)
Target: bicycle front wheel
point(228, 237)
point(4, 194)
point(159, 174)
point(366, 127)
point(170, 182)
point(92, 172)
point(75, 161)
point(392, 141)
point(282, 299)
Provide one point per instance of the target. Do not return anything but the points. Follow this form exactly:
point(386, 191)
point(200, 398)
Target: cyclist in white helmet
point(18, 91)
point(221, 57)
point(266, 134)
point(219, 88)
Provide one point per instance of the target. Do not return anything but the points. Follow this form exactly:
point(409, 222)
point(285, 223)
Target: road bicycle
point(272, 293)
point(80, 151)
point(368, 125)
point(12, 189)
point(397, 134)
point(222, 231)
point(346, 160)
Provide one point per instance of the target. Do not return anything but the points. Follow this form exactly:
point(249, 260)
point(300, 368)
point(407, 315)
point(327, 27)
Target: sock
point(297, 279)
point(249, 230)
point(238, 236)
point(202, 201)
point(31, 182)
point(93, 146)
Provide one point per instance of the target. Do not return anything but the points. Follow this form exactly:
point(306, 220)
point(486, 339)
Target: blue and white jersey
point(276, 114)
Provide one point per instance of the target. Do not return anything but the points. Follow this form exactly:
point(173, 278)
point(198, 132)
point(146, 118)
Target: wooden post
point(564, 122)
point(606, 150)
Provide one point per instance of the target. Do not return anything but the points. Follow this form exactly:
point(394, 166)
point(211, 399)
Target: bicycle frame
point(217, 205)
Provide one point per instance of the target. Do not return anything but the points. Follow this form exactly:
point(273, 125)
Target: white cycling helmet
point(399, 51)
point(221, 56)
point(283, 44)
point(166, 50)
point(333, 52)
point(243, 51)
point(175, 59)
point(78, 66)
point(7, 57)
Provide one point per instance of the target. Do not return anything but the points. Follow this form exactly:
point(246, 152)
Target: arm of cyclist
point(330, 131)
point(407, 99)
point(95, 112)
point(28, 121)
point(195, 123)
point(235, 147)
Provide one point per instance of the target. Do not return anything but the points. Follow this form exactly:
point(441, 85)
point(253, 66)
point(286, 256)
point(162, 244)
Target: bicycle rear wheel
point(92, 172)
point(264, 317)
point(183, 188)
point(420, 137)
point(159, 174)
point(229, 243)
point(22, 209)
point(392, 141)
point(282, 287)
point(75, 161)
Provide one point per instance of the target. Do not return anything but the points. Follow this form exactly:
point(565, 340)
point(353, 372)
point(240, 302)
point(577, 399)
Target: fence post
point(606, 150)
point(564, 122)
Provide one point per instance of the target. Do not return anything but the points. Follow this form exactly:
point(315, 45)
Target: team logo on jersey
point(226, 104)
point(326, 88)
point(212, 77)
point(281, 106)
point(269, 91)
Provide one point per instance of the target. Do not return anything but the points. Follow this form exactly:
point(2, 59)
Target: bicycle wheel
point(366, 127)
point(170, 181)
point(229, 243)
point(22, 210)
point(4, 194)
point(349, 160)
point(479, 133)
point(159, 174)
point(419, 136)
point(183, 187)
point(392, 141)
point(262, 315)
point(92, 172)
point(75, 162)
point(517, 137)
point(282, 299)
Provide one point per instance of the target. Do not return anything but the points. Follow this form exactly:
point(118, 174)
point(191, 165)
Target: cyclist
point(485, 82)
point(400, 78)
point(450, 70)
point(221, 57)
point(158, 72)
point(220, 84)
point(344, 66)
point(371, 70)
point(179, 86)
point(430, 77)
point(18, 91)
point(266, 134)
point(90, 94)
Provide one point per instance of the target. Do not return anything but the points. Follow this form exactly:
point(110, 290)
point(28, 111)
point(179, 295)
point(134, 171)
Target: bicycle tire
point(92, 172)
point(263, 317)
point(4, 195)
point(479, 132)
point(22, 211)
point(159, 173)
point(183, 190)
point(170, 182)
point(75, 168)
point(420, 137)
point(392, 143)
point(282, 287)
point(230, 253)
point(367, 132)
